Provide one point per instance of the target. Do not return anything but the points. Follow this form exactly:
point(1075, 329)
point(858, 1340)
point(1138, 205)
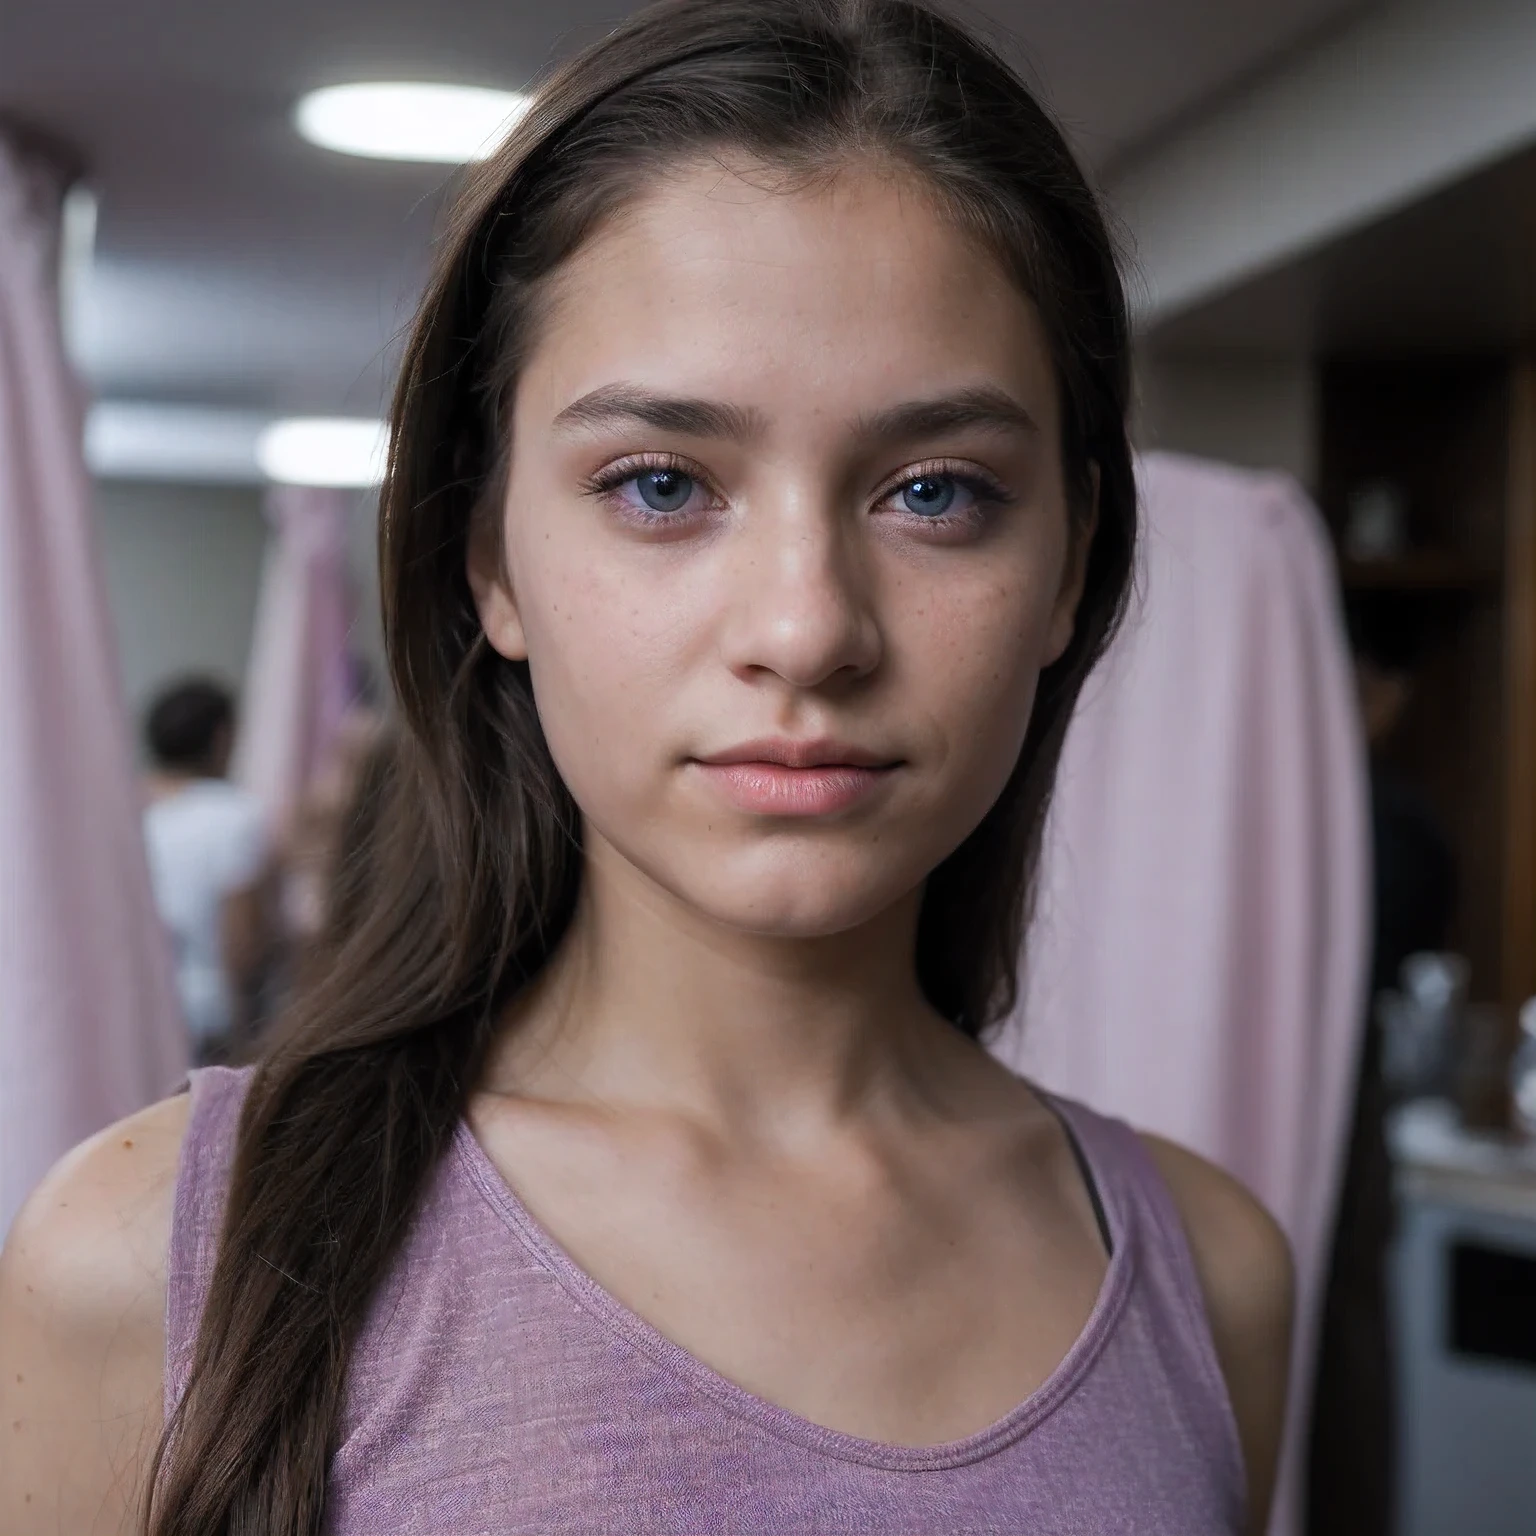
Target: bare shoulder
point(82, 1306)
point(1244, 1264)
point(1242, 1255)
point(97, 1227)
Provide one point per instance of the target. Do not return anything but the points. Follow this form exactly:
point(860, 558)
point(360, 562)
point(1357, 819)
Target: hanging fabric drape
point(299, 682)
point(89, 1025)
point(1198, 958)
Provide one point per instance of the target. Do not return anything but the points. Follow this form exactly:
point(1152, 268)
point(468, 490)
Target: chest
point(905, 1310)
point(497, 1388)
point(574, 1427)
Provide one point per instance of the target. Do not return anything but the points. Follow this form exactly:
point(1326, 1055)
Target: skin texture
point(726, 1097)
point(82, 1307)
point(804, 605)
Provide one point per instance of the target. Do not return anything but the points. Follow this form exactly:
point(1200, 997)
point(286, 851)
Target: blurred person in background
point(340, 871)
point(209, 860)
point(310, 843)
point(349, 874)
point(1351, 1474)
point(1415, 886)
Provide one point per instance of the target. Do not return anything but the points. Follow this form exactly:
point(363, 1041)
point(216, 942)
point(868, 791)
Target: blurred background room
point(1300, 798)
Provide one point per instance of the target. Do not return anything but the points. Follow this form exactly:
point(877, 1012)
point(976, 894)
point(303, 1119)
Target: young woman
point(759, 500)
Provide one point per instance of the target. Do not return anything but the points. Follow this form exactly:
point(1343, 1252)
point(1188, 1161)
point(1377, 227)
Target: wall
point(183, 567)
point(182, 564)
point(1413, 96)
point(1256, 412)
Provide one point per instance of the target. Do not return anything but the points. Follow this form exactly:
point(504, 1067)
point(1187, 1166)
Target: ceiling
point(238, 266)
point(1455, 271)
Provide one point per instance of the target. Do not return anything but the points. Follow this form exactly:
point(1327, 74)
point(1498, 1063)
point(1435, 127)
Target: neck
point(161, 783)
point(650, 1005)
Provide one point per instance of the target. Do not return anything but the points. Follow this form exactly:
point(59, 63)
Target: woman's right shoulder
point(97, 1230)
point(83, 1278)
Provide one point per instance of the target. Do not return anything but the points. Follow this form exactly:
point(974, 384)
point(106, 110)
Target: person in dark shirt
point(1351, 1473)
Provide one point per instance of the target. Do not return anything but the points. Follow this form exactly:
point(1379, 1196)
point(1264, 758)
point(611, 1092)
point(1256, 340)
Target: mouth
point(781, 777)
point(788, 753)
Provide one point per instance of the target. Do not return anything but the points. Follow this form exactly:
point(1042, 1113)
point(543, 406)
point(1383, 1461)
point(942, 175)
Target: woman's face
point(785, 542)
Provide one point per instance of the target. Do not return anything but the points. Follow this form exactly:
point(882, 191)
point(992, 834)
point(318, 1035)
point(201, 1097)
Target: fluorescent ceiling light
point(449, 124)
point(323, 451)
point(147, 440)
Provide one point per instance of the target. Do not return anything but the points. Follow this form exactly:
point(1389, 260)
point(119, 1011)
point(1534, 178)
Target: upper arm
point(247, 881)
point(243, 930)
point(1244, 1265)
point(82, 1336)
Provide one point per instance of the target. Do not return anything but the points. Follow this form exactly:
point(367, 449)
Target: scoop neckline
point(783, 1423)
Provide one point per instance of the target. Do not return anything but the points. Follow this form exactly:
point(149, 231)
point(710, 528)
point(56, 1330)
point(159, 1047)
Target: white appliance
point(1464, 1292)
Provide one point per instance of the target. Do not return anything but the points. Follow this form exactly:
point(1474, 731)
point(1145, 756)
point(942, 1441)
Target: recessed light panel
point(316, 450)
point(399, 120)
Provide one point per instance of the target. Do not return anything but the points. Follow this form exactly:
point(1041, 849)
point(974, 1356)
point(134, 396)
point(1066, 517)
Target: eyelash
point(606, 483)
point(987, 492)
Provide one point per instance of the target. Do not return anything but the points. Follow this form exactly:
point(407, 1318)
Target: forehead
point(843, 294)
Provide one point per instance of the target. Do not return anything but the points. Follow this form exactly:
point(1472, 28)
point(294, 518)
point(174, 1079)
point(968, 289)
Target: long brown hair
point(473, 872)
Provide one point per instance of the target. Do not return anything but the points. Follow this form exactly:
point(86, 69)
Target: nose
point(801, 605)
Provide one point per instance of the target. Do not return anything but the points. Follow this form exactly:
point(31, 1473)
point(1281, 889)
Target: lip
point(788, 753)
point(780, 777)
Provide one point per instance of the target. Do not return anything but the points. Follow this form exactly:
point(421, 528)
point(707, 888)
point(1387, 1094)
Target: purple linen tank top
point(496, 1389)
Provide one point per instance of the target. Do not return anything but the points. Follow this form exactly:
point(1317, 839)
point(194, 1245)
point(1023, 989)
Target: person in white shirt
point(209, 855)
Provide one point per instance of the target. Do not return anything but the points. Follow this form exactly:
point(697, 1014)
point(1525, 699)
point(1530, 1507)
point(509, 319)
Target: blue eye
point(659, 496)
point(931, 495)
point(664, 490)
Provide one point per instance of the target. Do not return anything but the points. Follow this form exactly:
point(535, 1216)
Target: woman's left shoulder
point(1243, 1257)
point(1243, 1262)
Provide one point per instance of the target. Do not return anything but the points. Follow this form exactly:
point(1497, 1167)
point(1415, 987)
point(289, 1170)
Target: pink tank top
point(497, 1389)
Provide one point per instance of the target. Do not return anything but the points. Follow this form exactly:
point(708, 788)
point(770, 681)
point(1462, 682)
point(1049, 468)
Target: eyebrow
point(983, 406)
point(613, 403)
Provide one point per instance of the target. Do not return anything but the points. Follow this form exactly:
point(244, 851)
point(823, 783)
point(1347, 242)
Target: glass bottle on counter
point(1522, 1072)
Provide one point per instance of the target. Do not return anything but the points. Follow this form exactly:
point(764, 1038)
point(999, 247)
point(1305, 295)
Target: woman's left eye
point(934, 496)
point(663, 490)
point(943, 496)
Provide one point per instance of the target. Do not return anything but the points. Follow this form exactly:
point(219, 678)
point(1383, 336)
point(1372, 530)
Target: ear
point(490, 584)
point(1074, 574)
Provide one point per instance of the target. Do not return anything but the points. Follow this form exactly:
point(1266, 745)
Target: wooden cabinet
point(1419, 334)
point(1455, 439)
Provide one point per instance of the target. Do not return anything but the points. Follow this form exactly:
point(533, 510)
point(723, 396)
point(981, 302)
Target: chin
point(797, 893)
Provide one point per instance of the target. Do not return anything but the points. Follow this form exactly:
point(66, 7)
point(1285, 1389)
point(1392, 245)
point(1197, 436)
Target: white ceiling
point(238, 266)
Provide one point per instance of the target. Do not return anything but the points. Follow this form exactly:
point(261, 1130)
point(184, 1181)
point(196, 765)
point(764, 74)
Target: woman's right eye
point(652, 494)
point(664, 490)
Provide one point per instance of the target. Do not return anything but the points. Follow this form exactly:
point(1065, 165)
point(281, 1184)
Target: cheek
point(605, 645)
point(976, 650)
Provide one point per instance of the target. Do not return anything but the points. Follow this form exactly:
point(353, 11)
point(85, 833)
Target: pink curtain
point(1198, 961)
point(89, 1026)
point(299, 682)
